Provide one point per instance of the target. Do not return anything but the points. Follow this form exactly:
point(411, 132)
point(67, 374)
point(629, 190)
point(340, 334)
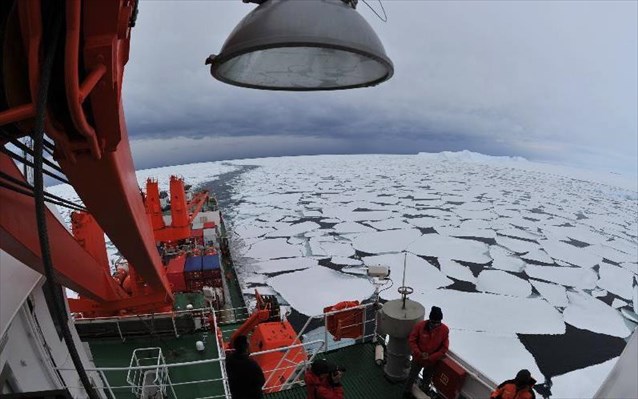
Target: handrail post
point(325, 332)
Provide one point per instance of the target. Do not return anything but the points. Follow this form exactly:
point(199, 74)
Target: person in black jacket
point(245, 377)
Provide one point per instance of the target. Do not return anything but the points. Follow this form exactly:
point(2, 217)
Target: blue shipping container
point(193, 264)
point(211, 262)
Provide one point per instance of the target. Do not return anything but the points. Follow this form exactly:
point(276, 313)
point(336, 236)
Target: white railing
point(323, 341)
point(172, 383)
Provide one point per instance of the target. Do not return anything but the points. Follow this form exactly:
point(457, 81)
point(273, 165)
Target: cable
point(31, 194)
point(29, 163)
point(15, 181)
point(29, 151)
point(54, 289)
point(385, 16)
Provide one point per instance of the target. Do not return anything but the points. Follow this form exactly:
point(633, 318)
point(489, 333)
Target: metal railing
point(175, 383)
point(114, 378)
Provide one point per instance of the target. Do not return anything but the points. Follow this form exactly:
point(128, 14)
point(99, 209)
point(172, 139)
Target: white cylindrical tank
point(396, 319)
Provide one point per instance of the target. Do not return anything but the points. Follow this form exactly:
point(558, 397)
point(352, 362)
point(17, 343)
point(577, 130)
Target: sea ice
point(390, 224)
point(582, 383)
point(570, 253)
point(420, 274)
point(500, 282)
point(611, 254)
point(352, 227)
point(475, 312)
point(588, 313)
point(505, 260)
point(465, 232)
point(518, 233)
point(539, 256)
point(294, 230)
point(449, 247)
point(616, 279)
point(576, 277)
point(328, 288)
point(516, 245)
point(385, 241)
point(340, 260)
point(287, 264)
point(553, 293)
point(456, 270)
point(272, 249)
point(478, 349)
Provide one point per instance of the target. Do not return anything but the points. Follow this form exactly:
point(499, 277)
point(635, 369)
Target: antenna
point(403, 290)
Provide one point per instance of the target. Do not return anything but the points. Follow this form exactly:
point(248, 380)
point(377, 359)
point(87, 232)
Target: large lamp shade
point(302, 45)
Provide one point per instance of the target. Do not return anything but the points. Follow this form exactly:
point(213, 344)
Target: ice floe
point(286, 264)
point(272, 249)
point(478, 348)
point(420, 274)
point(294, 230)
point(582, 383)
point(516, 245)
point(352, 227)
point(588, 313)
point(569, 253)
point(539, 256)
point(553, 293)
point(456, 270)
point(500, 282)
point(616, 280)
point(576, 277)
point(480, 312)
point(385, 241)
point(505, 260)
point(310, 290)
point(460, 249)
point(390, 224)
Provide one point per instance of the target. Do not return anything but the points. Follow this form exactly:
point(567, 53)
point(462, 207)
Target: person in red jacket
point(429, 341)
point(518, 388)
point(323, 380)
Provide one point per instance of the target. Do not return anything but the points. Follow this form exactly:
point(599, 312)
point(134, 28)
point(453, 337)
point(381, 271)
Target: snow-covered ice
point(553, 293)
point(582, 383)
point(323, 287)
point(478, 312)
point(616, 279)
point(420, 274)
point(589, 313)
point(450, 247)
point(500, 282)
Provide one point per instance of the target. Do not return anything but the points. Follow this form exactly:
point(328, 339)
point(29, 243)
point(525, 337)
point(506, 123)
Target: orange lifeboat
point(347, 323)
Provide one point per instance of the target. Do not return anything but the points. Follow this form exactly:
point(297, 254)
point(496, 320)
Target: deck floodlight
point(302, 45)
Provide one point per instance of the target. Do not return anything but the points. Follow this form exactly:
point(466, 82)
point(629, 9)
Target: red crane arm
point(74, 267)
point(86, 121)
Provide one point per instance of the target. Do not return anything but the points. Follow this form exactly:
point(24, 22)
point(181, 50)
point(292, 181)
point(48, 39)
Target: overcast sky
point(553, 81)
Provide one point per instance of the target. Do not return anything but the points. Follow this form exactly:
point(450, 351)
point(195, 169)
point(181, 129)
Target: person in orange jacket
point(429, 342)
point(518, 388)
point(323, 380)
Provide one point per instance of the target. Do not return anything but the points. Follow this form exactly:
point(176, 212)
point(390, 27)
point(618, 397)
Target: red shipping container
point(175, 275)
point(448, 378)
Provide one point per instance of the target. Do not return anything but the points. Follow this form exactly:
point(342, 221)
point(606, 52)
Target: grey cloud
point(552, 81)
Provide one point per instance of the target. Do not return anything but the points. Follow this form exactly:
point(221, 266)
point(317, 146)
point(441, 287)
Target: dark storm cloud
point(546, 80)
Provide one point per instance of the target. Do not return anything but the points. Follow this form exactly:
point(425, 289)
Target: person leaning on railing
point(245, 377)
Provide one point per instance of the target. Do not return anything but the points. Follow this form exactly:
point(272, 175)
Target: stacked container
point(175, 273)
point(211, 270)
point(193, 273)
